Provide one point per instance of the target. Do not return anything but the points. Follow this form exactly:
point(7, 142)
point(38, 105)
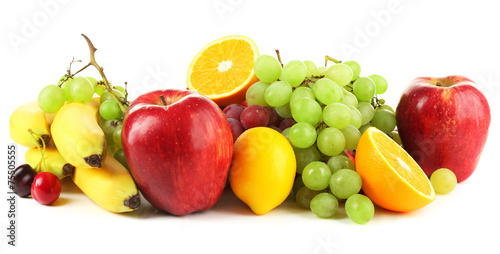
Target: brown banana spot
point(133, 202)
point(94, 160)
point(46, 139)
point(68, 169)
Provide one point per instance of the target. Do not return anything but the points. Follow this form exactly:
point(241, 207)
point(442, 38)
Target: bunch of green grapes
point(326, 110)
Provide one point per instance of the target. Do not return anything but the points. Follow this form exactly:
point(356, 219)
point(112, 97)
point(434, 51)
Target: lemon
point(263, 169)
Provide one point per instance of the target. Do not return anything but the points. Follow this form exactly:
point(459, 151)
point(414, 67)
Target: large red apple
point(179, 149)
point(443, 123)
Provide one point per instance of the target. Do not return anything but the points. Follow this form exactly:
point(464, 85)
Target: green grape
point(316, 175)
point(337, 115)
point(304, 197)
point(255, 94)
point(395, 136)
point(380, 83)
point(110, 110)
point(340, 161)
point(324, 205)
point(385, 106)
point(359, 208)
point(108, 127)
point(106, 95)
point(286, 133)
point(312, 69)
point(120, 157)
point(341, 74)
point(355, 67)
point(93, 81)
point(344, 183)
point(348, 98)
point(364, 128)
point(278, 94)
point(306, 110)
point(327, 92)
point(301, 92)
point(121, 89)
point(51, 98)
point(322, 70)
point(443, 181)
point(364, 89)
point(284, 111)
point(356, 117)
point(304, 156)
point(367, 112)
point(81, 89)
point(294, 72)
point(117, 137)
point(302, 135)
point(352, 136)
point(384, 120)
point(331, 141)
point(66, 86)
point(297, 184)
point(267, 68)
point(99, 89)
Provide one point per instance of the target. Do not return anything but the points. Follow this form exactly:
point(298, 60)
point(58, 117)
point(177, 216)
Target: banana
point(111, 187)
point(29, 116)
point(53, 160)
point(77, 134)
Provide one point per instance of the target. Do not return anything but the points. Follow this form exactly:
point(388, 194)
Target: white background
point(151, 43)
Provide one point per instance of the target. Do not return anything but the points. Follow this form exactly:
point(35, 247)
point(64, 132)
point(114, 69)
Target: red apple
point(443, 123)
point(179, 149)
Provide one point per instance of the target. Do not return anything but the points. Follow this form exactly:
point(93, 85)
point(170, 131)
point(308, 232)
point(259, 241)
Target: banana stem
point(101, 71)
point(42, 151)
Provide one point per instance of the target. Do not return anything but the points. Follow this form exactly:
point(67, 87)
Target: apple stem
point(438, 84)
point(162, 98)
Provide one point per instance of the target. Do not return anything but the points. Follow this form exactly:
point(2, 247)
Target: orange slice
point(223, 69)
point(391, 178)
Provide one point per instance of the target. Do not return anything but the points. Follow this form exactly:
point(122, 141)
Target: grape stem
point(328, 58)
point(42, 151)
point(101, 71)
point(279, 57)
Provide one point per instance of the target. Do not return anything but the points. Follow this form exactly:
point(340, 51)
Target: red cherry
point(46, 188)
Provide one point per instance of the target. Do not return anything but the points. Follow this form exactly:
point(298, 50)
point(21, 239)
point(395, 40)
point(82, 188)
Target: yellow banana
point(29, 116)
point(111, 187)
point(77, 134)
point(53, 160)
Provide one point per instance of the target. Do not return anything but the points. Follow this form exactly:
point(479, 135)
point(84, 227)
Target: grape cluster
point(113, 104)
point(322, 111)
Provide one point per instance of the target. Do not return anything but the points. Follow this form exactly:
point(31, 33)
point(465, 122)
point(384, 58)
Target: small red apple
point(443, 123)
point(179, 147)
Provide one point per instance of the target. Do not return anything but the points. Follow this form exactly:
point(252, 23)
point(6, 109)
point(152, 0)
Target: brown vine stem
point(101, 71)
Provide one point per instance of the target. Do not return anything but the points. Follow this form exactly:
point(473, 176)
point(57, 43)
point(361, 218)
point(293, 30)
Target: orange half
point(223, 69)
point(391, 178)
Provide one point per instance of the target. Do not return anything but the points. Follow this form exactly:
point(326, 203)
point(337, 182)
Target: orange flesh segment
point(219, 71)
point(402, 163)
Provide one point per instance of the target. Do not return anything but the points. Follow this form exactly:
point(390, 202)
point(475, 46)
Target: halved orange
point(391, 178)
point(223, 69)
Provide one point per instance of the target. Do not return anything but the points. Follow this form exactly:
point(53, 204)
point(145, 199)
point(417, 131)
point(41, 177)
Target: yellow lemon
point(263, 169)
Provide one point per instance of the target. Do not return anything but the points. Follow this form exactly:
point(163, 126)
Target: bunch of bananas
point(75, 146)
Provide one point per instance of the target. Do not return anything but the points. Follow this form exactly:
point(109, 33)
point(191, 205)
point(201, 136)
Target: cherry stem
point(42, 151)
point(162, 98)
point(327, 58)
point(279, 57)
